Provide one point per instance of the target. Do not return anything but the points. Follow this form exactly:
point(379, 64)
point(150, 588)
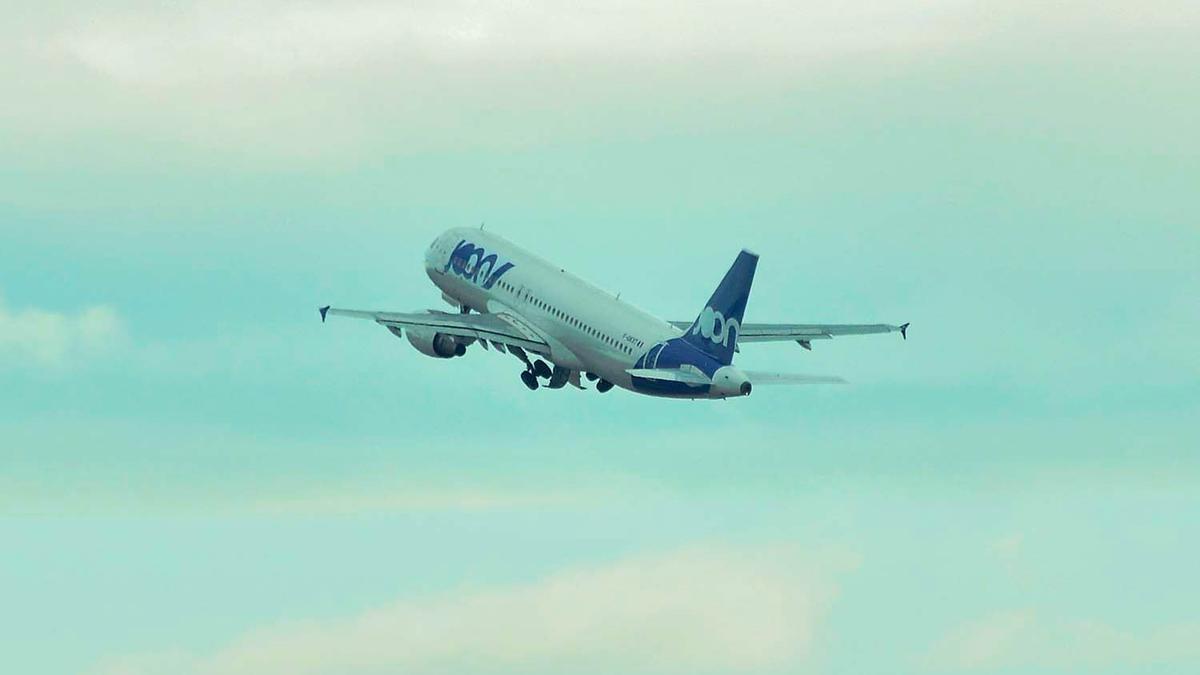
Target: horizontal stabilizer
point(761, 378)
point(670, 375)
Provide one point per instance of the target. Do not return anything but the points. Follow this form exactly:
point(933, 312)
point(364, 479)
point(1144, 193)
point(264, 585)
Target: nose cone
point(730, 381)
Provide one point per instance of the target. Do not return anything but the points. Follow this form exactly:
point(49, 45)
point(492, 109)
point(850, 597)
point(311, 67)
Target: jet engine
point(437, 345)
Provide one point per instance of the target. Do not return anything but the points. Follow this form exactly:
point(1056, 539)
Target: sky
point(197, 477)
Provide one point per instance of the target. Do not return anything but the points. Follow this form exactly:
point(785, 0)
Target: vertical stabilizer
point(716, 330)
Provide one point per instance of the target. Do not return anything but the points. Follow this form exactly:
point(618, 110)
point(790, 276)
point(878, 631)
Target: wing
point(499, 329)
point(805, 333)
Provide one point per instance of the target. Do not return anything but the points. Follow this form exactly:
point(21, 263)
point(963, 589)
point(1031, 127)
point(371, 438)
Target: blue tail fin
point(716, 330)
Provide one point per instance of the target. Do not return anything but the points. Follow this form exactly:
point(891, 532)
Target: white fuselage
point(587, 328)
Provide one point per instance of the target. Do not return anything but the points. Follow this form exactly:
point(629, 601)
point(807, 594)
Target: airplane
point(523, 305)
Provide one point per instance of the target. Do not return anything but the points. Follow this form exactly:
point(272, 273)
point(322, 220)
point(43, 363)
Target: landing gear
point(530, 380)
point(603, 386)
point(592, 377)
point(558, 379)
point(528, 377)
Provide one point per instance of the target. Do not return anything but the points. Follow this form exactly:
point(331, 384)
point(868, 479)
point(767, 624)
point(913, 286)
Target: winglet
point(904, 331)
point(323, 310)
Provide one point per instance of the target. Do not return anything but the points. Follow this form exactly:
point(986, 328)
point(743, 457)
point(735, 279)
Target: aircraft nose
point(431, 256)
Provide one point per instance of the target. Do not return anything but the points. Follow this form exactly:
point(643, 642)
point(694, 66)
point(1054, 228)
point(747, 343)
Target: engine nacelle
point(437, 345)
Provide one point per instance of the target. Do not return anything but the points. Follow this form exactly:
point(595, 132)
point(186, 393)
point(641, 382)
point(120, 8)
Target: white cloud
point(1024, 639)
point(52, 339)
point(291, 82)
point(218, 41)
point(699, 610)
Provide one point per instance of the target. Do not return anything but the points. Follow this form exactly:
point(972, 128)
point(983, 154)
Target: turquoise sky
point(197, 477)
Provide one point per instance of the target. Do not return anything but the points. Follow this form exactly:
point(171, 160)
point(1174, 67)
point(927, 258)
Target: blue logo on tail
point(716, 327)
point(476, 265)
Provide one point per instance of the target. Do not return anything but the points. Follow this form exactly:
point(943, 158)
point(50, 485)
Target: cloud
point(198, 42)
point(216, 41)
point(35, 337)
point(700, 610)
point(1025, 639)
point(276, 81)
point(288, 82)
